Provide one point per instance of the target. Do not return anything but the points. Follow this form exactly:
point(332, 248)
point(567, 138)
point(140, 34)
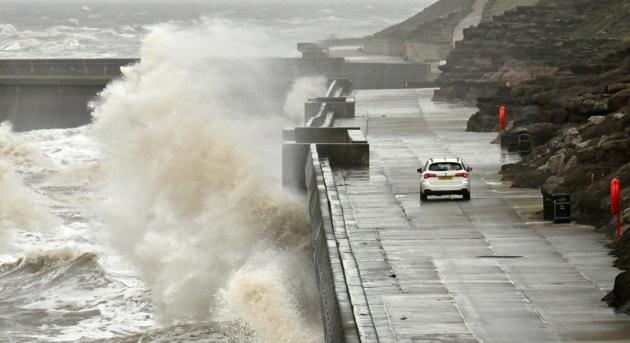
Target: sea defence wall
point(337, 311)
point(342, 145)
point(308, 152)
point(55, 93)
point(42, 94)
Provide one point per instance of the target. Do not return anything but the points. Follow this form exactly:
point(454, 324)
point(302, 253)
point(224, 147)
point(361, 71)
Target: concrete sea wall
point(337, 311)
point(42, 94)
point(55, 93)
point(307, 154)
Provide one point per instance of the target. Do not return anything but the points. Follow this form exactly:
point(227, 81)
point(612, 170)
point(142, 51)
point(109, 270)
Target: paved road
point(449, 270)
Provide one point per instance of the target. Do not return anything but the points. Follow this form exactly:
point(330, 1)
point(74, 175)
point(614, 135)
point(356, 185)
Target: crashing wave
point(179, 139)
point(55, 292)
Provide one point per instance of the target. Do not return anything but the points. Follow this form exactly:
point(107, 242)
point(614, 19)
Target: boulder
point(523, 176)
point(587, 105)
point(548, 98)
point(541, 133)
point(616, 87)
point(479, 122)
point(554, 184)
point(619, 297)
point(596, 120)
point(619, 100)
point(558, 116)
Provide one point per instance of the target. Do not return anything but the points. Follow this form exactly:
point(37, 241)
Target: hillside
point(439, 10)
point(531, 41)
point(562, 69)
point(429, 35)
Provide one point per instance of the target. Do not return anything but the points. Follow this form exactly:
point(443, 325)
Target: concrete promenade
point(447, 270)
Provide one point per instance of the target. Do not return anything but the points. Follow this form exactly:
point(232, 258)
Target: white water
point(304, 88)
point(110, 28)
point(163, 221)
point(167, 210)
point(188, 199)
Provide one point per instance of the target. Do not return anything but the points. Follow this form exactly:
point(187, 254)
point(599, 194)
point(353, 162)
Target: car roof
point(438, 160)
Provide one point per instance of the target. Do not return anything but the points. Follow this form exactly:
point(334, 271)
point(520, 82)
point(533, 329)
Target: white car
point(445, 176)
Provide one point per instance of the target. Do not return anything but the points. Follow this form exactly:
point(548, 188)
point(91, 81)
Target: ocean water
point(163, 220)
point(114, 28)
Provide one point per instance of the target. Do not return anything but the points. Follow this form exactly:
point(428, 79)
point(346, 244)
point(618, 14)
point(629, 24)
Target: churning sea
point(158, 222)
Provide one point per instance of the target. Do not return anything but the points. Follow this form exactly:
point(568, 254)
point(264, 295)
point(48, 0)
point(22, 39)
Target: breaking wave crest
point(60, 293)
point(191, 197)
point(27, 283)
point(46, 268)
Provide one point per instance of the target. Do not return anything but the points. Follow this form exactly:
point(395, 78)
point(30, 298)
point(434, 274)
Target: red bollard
point(502, 118)
point(615, 195)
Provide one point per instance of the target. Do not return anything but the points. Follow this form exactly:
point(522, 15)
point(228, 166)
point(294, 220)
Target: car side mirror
point(468, 169)
point(419, 170)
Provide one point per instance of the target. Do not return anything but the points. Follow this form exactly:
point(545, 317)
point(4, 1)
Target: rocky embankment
point(428, 36)
point(562, 69)
point(526, 43)
point(579, 125)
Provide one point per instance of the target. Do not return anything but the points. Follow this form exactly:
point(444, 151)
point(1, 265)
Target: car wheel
point(467, 196)
point(423, 197)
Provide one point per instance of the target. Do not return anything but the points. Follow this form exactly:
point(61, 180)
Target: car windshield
point(445, 166)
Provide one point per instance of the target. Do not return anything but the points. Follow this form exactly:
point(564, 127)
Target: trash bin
point(547, 206)
point(561, 208)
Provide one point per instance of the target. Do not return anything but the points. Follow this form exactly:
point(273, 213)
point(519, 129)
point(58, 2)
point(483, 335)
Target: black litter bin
point(561, 208)
point(547, 206)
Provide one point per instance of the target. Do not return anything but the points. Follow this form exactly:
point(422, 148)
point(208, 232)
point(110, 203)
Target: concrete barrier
point(319, 135)
point(318, 109)
point(342, 146)
point(312, 50)
point(383, 46)
point(43, 94)
point(385, 75)
point(337, 312)
point(30, 107)
point(61, 72)
point(304, 149)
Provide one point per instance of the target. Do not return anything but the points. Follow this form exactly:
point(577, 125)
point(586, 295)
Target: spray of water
point(18, 153)
point(268, 294)
point(302, 89)
point(20, 207)
point(188, 189)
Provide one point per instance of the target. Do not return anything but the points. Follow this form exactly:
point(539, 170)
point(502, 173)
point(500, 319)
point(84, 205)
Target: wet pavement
point(448, 270)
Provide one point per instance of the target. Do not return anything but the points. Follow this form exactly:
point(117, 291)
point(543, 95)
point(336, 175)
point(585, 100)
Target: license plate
point(445, 178)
